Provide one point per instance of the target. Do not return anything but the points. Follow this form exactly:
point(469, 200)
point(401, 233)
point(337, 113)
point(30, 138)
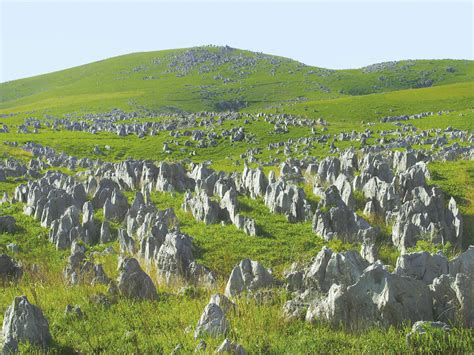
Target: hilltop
point(215, 79)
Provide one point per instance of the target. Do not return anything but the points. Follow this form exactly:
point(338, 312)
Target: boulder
point(213, 322)
point(24, 322)
point(229, 347)
point(248, 276)
point(377, 298)
point(116, 206)
point(288, 199)
point(329, 268)
point(453, 299)
point(9, 270)
point(133, 282)
point(463, 263)
point(254, 182)
point(422, 266)
point(7, 224)
point(222, 301)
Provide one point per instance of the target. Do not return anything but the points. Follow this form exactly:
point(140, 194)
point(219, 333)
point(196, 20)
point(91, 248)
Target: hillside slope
point(215, 78)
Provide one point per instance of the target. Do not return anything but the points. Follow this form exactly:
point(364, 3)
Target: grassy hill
point(215, 79)
point(220, 79)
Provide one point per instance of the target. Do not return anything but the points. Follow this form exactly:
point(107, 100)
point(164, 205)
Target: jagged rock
point(222, 301)
point(66, 229)
point(424, 215)
point(368, 250)
point(289, 200)
point(342, 223)
point(172, 177)
point(7, 224)
point(246, 224)
point(213, 322)
point(377, 298)
point(254, 182)
point(9, 270)
point(415, 176)
point(453, 299)
point(422, 266)
point(24, 322)
point(80, 270)
point(330, 268)
point(203, 208)
point(103, 191)
point(382, 195)
point(403, 160)
point(105, 236)
point(88, 225)
point(229, 347)
point(463, 263)
point(127, 243)
point(133, 282)
point(175, 261)
point(248, 275)
point(329, 169)
point(345, 190)
point(116, 206)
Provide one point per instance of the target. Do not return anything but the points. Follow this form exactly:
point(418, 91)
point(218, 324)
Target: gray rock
point(463, 263)
point(127, 243)
point(254, 182)
point(116, 206)
point(202, 207)
point(453, 299)
point(7, 224)
point(329, 268)
point(222, 301)
point(105, 236)
point(24, 322)
point(248, 275)
point(229, 347)
point(422, 266)
point(288, 199)
point(213, 322)
point(9, 270)
point(377, 298)
point(133, 282)
point(172, 177)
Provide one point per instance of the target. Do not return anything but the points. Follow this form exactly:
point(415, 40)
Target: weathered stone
point(229, 347)
point(24, 322)
point(133, 282)
point(248, 275)
point(422, 266)
point(378, 297)
point(213, 322)
point(7, 224)
point(9, 270)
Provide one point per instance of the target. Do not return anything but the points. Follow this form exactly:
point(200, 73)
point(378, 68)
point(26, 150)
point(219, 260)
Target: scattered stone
point(24, 322)
point(133, 282)
point(212, 322)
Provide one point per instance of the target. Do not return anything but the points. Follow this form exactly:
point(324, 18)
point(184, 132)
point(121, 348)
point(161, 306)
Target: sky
point(39, 37)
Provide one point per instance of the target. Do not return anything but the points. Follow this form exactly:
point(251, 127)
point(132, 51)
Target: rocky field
point(217, 200)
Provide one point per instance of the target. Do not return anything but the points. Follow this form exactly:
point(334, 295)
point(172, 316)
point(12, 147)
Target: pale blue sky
point(39, 37)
